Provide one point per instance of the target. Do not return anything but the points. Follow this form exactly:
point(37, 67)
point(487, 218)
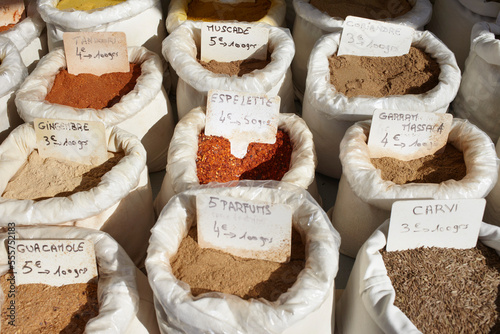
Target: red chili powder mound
point(92, 91)
point(215, 163)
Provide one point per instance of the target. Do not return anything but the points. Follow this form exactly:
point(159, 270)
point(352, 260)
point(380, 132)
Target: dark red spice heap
point(215, 163)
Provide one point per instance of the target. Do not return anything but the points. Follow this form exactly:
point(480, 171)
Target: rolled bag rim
point(483, 8)
point(12, 68)
point(484, 43)
point(479, 155)
point(325, 99)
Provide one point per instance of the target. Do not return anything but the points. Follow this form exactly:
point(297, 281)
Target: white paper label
point(225, 42)
point(11, 11)
point(435, 223)
point(407, 135)
point(364, 37)
point(54, 262)
point(243, 228)
point(242, 118)
point(79, 141)
point(96, 52)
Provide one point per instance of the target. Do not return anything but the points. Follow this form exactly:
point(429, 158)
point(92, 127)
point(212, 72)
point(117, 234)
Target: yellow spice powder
point(86, 4)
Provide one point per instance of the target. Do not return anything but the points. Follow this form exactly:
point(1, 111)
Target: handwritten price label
point(435, 223)
point(11, 12)
point(242, 118)
point(96, 52)
point(79, 141)
point(407, 135)
point(364, 37)
point(244, 228)
point(225, 42)
point(55, 262)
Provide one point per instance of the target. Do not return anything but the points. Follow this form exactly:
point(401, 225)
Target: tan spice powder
point(237, 67)
point(447, 290)
point(370, 9)
point(199, 10)
point(215, 163)
point(41, 308)
point(210, 270)
point(92, 91)
point(413, 73)
point(435, 168)
point(42, 178)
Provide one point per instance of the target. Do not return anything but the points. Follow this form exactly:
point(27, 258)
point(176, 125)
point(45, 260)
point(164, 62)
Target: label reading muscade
point(407, 135)
point(54, 262)
point(225, 42)
point(242, 118)
point(364, 37)
point(435, 223)
point(11, 11)
point(78, 141)
point(96, 52)
point(247, 229)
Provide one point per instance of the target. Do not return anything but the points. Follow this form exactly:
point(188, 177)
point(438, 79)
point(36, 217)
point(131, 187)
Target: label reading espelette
point(364, 37)
point(407, 135)
point(11, 11)
point(225, 42)
point(54, 262)
point(242, 118)
point(78, 141)
point(435, 223)
point(244, 228)
point(96, 52)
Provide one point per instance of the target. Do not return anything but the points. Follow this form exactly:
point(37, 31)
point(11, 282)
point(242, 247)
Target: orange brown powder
point(199, 10)
point(215, 163)
point(91, 91)
point(7, 27)
point(209, 270)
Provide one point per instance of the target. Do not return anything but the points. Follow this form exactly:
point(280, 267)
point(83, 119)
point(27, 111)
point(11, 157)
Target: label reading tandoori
point(54, 262)
point(96, 52)
point(78, 141)
point(407, 135)
point(435, 223)
point(247, 229)
point(242, 118)
point(364, 37)
point(225, 42)
point(11, 11)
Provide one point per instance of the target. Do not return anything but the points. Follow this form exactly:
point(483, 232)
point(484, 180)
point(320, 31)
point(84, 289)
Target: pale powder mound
point(41, 308)
point(413, 73)
point(370, 9)
point(45, 178)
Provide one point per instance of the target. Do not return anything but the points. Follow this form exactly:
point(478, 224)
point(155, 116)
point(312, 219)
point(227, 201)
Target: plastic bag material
point(145, 111)
point(311, 23)
point(478, 99)
point(177, 14)
point(492, 211)
point(364, 199)
point(180, 48)
point(121, 204)
point(117, 288)
point(141, 20)
point(28, 36)
point(367, 303)
point(179, 312)
point(181, 172)
point(329, 113)
point(12, 74)
point(452, 23)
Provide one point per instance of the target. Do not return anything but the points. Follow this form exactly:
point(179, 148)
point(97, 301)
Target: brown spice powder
point(210, 270)
point(91, 91)
point(413, 73)
point(435, 168)
point(237, 67)
point(41, 308)
point(215, 163)
point(42, 178)
point(370, 9)
point(447, 290)
point(199, 10)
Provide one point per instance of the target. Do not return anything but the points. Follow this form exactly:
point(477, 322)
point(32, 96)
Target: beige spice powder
point(237, 67)
point(41, 178)
point(370, 9)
